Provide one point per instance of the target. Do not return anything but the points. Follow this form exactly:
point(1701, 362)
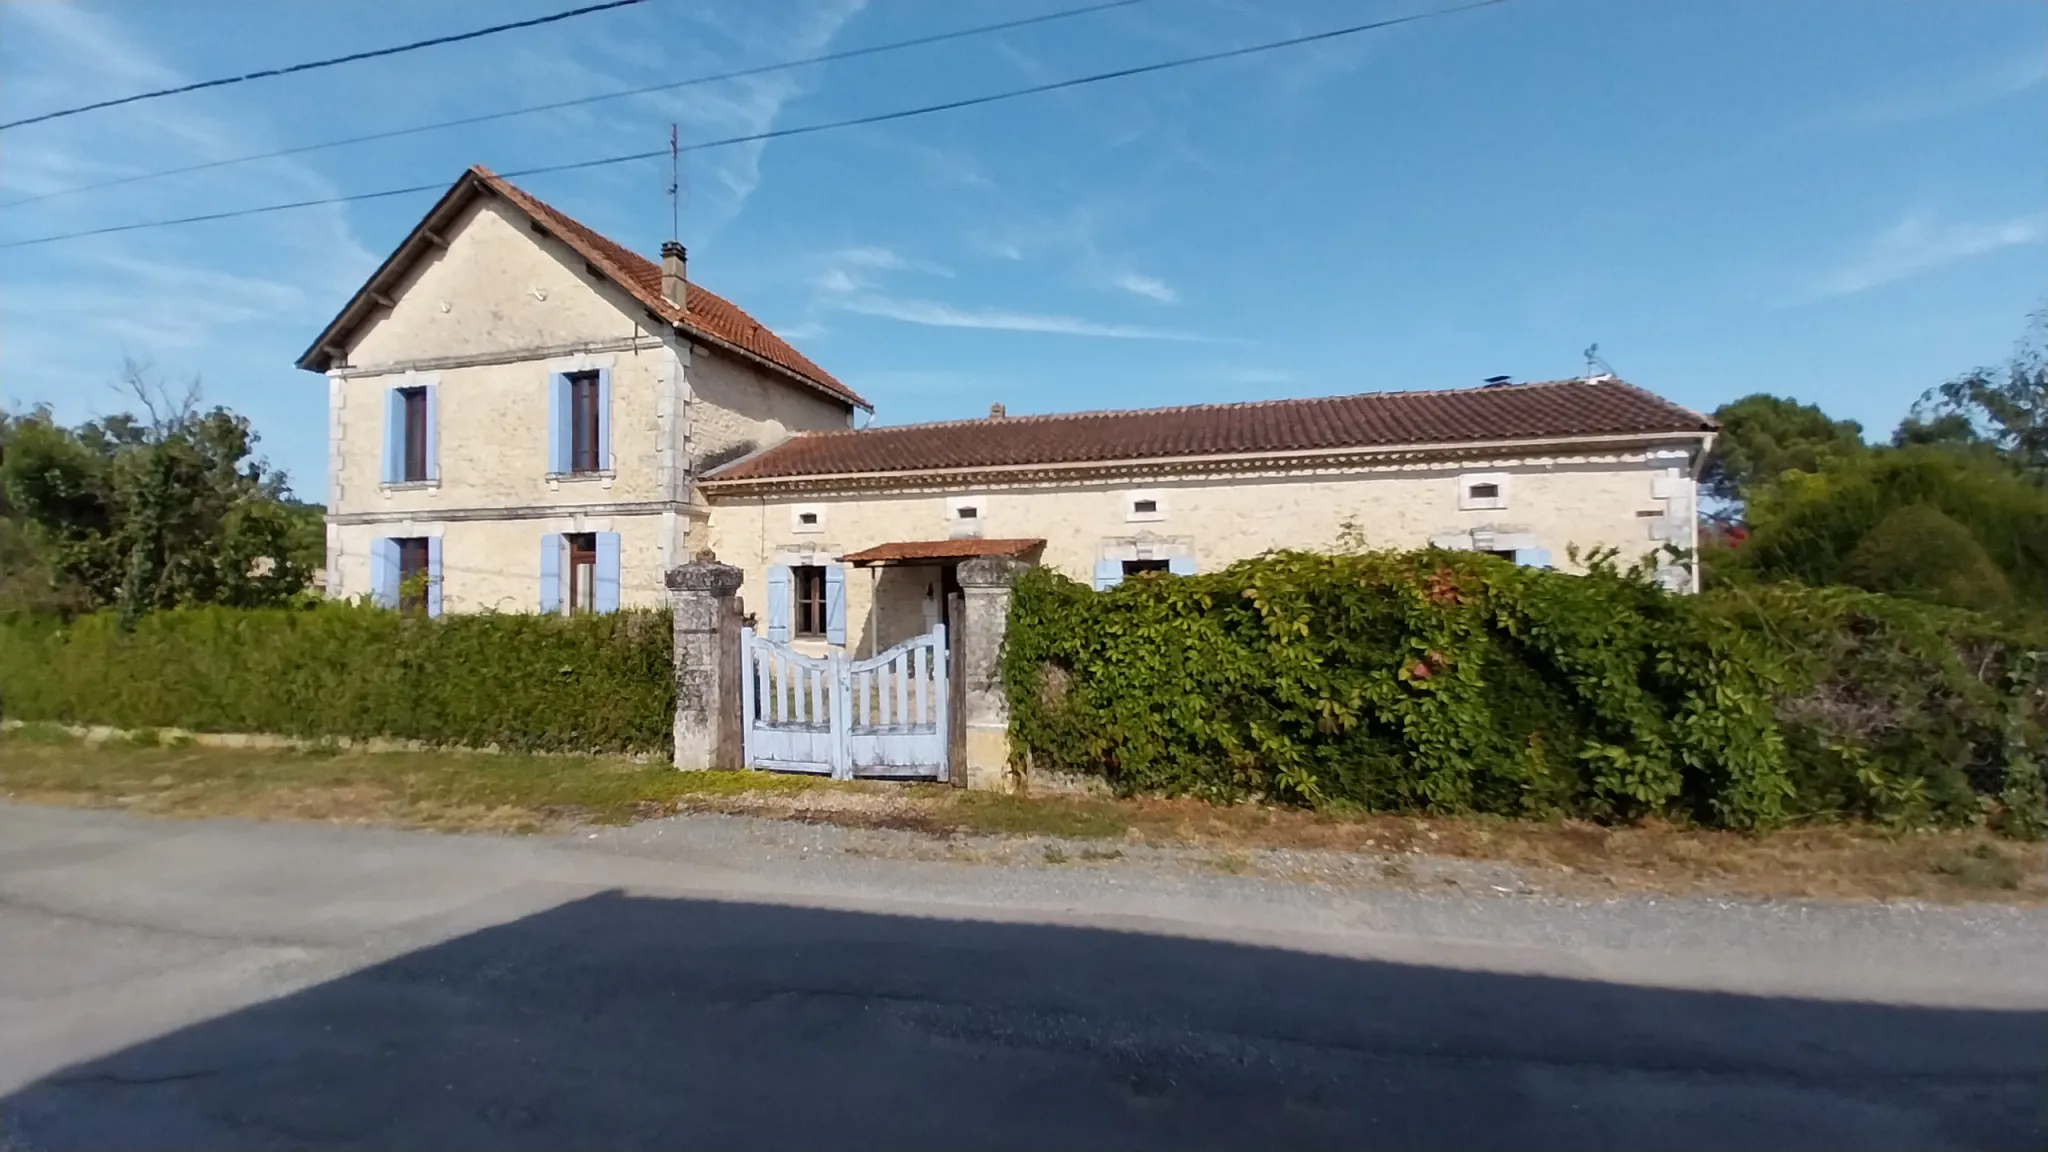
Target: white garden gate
point(884, 716)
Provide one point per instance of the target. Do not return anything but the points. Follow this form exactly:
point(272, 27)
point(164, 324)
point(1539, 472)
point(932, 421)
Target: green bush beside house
point(1453, 682)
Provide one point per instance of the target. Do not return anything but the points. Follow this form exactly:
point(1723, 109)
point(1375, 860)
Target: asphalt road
point(720, 983)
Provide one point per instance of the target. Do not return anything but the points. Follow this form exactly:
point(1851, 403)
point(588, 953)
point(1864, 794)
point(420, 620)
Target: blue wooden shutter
point(605, 596)
point(604, 419)
point(433, 433)
point(561, 432)
point(551, 573)
point(394, 436)
point(778, 603)
point(384, 572)
point(835, 604)
point(433, 565)
point(1108, 574)
point(1181, 565)
point(1533, 557)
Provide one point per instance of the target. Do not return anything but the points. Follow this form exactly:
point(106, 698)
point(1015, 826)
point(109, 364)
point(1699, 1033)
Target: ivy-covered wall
point(546, 683)
point(1455, 682)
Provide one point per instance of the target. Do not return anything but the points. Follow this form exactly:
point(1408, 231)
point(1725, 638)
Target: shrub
point(583, 684)
point(1455, 682)
point(1919, 552)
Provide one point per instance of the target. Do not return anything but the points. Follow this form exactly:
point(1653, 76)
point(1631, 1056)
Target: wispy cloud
point(1919, 243)
point(1986, 86)
point(1150, 287)
point(935, 314)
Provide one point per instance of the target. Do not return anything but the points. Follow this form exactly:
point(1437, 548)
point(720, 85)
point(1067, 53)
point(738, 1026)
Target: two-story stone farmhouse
point(525, 416)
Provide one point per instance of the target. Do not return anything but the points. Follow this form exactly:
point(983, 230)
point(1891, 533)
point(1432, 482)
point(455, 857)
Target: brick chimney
point(675, 265)
point(995, 412)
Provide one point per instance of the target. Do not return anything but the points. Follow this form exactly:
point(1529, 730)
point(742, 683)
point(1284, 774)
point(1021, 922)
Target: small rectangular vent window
point(1144, 505)
point(969, 512)
point(807, 519)
point(1486, 491)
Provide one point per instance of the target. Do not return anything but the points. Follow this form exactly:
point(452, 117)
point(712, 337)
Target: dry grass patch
point(510, 793)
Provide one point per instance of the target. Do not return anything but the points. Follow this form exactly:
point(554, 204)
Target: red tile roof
point(910, 551)
point(704, 311)
point(1558, 410)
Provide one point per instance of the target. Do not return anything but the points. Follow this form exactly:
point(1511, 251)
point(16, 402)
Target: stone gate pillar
point(985, 594)
point(706, 663)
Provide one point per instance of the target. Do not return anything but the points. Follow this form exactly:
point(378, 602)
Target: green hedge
point(544, 683)
point(1454, 682)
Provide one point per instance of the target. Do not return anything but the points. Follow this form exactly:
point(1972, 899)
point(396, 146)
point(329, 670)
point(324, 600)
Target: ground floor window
point(807, 599)
point(582, 571)
point(415, 569)
point(1140, 567)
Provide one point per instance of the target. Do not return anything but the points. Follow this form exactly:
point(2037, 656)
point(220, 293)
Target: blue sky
point(1841, 201)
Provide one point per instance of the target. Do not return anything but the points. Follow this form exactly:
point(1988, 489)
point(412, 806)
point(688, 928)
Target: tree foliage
point(1817, 528)
point(1763, 436)
point(143, 512)
point(2004, 409)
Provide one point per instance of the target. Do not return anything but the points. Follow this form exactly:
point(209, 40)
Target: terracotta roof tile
point(1565, 408)
point(705, 311)
point(962, 549)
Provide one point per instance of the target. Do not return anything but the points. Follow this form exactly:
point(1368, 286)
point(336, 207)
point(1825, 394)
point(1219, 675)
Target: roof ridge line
point(1226, 405)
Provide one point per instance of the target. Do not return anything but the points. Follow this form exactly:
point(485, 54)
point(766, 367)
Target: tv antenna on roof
point(675, 183)
point(1595, 366)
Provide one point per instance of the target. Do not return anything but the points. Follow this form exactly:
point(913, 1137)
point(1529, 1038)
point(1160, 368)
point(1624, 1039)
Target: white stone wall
point(1624, 502)
point(488, 320)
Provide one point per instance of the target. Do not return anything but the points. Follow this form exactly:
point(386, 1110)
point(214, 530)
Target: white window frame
point(1467, 502)
point(796, 519)
point(1132, 514)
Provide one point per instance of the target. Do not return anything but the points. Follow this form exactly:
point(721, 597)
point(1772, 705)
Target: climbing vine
point(1453, 682)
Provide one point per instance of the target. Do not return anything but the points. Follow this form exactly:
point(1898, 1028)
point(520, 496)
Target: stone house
point(525, 416)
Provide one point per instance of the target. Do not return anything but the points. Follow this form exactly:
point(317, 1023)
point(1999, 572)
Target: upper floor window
point(409, 434)
point(1482, 491)
point(414, 453)
point(586, 411)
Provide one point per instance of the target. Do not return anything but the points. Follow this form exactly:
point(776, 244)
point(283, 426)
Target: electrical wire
point(311, 65)
point(738, 73)
point(798, 130)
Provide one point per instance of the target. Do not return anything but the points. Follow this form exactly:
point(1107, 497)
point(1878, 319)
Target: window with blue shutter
point(394, 435)
point(1108, 574)
point(431, 431)
point(1533, 557)
point(835, 604)
point(559, 429)
point(433, 575)
point(551, 573)
point(384, 572)
point(606, 598)
point(779, 582)
point(602, 417)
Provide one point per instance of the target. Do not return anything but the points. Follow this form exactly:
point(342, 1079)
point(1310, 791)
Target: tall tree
point(2003, 408)
point(1763, 436)
point(151, 510)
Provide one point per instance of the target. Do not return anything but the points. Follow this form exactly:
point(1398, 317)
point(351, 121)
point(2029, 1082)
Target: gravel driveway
point(715, 981)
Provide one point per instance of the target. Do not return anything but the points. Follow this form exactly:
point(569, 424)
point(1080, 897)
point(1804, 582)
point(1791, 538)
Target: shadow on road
point(618, 1021)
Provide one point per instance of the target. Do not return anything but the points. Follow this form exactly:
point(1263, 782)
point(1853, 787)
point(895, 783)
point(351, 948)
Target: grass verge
point(463, 791)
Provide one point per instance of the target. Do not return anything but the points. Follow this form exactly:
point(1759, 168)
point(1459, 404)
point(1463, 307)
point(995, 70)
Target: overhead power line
point(797, 130)
point(757, 70)
point(311, 65)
